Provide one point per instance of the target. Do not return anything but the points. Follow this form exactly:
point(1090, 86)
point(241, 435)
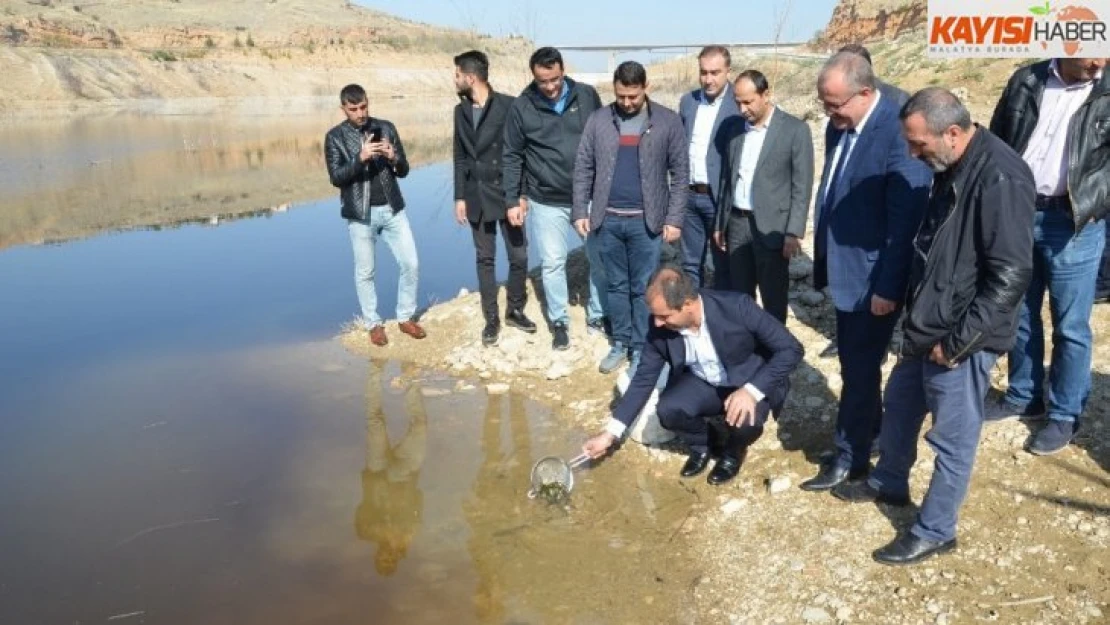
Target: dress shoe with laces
point(860, 491)
point(491, 333)
point(695, 464)
point(515, 318)
point(831, 475)
point(726, 468)
point(910, 549)
point(378, 337)
point(412, 329)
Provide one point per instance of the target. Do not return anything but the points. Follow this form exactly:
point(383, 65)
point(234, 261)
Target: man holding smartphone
point(365, 158)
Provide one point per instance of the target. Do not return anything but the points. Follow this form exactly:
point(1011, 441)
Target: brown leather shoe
point(378, 337)
point(412, 329)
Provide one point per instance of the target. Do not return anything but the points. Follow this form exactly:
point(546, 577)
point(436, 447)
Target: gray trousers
point(751, 263)
point(955, 399)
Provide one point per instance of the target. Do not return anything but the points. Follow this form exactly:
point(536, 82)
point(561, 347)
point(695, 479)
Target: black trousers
point(485, 249)
point(751, 264)
point(694, 410)
point(863, 339)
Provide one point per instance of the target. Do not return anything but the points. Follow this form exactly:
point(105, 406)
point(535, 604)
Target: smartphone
point(376, 135)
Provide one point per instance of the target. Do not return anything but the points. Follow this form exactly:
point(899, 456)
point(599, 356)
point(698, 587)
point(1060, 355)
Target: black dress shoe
point(859, 491)
point(695, 464)
point(517, 319)
point(830, 476)
point(910, 549)
point(726, 468)
point(490, 333)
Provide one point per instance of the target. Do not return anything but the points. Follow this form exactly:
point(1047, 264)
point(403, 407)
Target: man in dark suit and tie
point(730, 365)
point(766, 184)
point(872, 197)
point(479, 198)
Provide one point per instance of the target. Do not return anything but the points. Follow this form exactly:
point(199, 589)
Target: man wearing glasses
point(870, 203)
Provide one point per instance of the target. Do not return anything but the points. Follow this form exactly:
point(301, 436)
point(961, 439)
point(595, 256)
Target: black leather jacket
point(967, 291)
point(341, 149)
point(1016, 116)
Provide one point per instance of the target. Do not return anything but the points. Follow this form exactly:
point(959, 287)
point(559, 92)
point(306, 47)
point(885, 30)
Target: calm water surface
point(182, 442)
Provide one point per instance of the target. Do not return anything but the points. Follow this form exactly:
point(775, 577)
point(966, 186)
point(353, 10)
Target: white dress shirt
point(749, 157)
point(1047, 151)
point(844, 140)
point(702, 361)
point(702, 137)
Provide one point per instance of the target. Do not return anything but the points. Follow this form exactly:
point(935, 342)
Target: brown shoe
point(412, 329)
point(378, 337)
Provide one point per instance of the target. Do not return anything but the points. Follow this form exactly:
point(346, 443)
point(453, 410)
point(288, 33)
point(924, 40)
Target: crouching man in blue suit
point(730, 367)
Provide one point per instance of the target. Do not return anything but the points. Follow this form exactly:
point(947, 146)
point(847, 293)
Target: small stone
point(932, 607)
point(497, 388)
point(1094, 612)
point(485, 375)
point(814, 614)
point(778, 484)
point(844, 613)
point(463, 292)
point(1022, 521)
point(732, 506)
point(558, 370)
point(1086, 527)
point(942, 619)
point(812, 298)
point(434, 392)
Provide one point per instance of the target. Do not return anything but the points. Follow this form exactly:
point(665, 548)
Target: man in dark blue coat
point(730, 365)
point(870, 202)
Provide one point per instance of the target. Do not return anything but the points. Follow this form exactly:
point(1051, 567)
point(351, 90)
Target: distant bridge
point(784, 48)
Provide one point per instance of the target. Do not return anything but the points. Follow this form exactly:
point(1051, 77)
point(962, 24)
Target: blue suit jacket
point(753, 347)
point(872, 220)
point(727, 124)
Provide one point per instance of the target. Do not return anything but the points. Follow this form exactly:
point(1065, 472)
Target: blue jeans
point(393, 228)
point(1065, 264)
point(697, 245)
point(549, 234)
point(955, 399)
point(631, 254)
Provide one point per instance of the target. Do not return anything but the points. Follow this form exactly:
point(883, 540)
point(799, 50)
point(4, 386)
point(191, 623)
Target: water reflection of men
point(730, 366)
point(491, 493)
point(365, 158)
point(392, 502)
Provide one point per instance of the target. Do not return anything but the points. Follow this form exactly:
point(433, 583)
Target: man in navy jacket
point(869, 205)
point(730, 365)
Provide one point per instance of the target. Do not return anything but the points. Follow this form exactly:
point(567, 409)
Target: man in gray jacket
point(766, 184)
point(630, 179)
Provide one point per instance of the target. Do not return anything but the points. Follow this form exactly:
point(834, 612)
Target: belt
point(700, 188)
point(1048, 202)
point(745, 212)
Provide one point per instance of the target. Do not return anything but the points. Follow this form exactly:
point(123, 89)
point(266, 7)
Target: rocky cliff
point(855, 21)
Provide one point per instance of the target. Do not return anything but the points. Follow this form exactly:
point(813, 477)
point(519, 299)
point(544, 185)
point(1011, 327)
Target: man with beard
point(766, 185)
point(970, 268)
point(479, 198)
point(630, 192)
point(365, 158)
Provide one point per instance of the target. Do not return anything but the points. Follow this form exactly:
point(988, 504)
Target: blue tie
point(830, 193)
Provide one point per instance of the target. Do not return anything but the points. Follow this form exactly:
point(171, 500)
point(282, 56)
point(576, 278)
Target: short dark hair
point(757, 78)
point(940, 108)
point(715, 50)
point(545, 57)
point(475, 63)
point(857, 49)
point(630, 74)
point(674, 285)
point(352, 94)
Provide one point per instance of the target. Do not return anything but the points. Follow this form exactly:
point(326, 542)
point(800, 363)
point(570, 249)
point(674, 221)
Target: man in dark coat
point(479, 198)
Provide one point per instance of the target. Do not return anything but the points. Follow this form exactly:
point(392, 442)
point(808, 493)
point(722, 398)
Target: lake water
point(181, 440)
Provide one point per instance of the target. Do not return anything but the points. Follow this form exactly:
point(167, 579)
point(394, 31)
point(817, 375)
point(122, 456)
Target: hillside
point(69, 52)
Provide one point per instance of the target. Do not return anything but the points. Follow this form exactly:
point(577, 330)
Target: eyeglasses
point(837, 107)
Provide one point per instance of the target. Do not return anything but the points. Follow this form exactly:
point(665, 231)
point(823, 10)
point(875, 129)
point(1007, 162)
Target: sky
point(591, 22)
